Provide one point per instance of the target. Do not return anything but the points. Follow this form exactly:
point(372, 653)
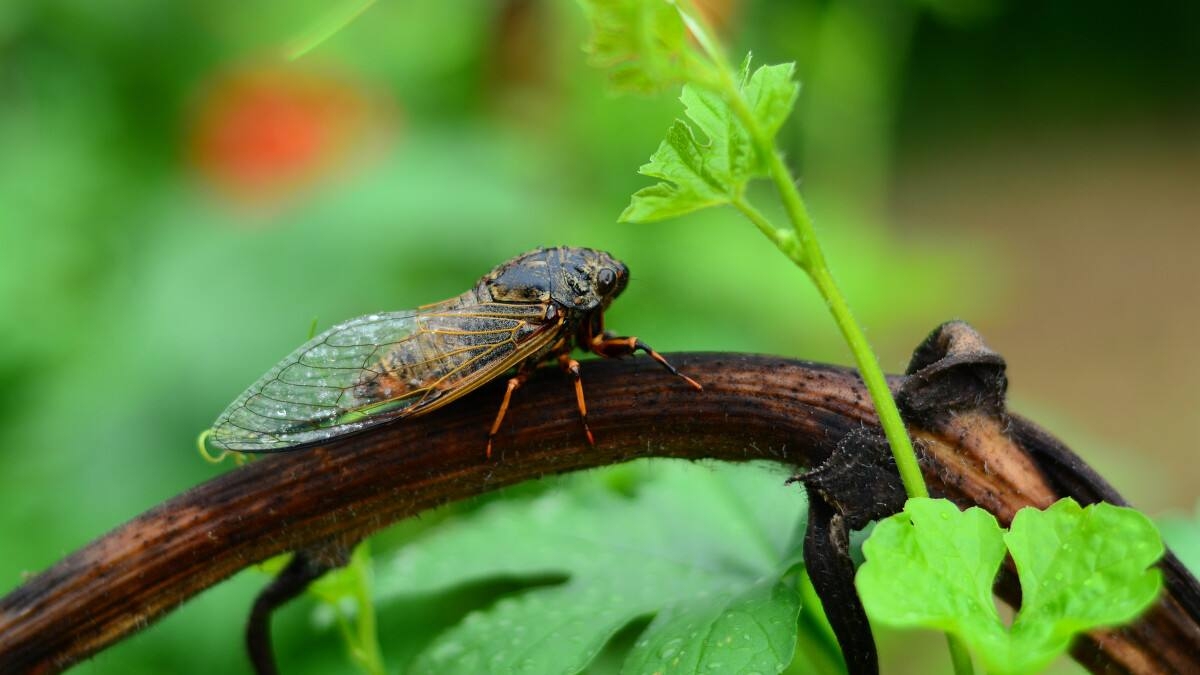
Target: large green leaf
point(751, 631)
point(705, 550)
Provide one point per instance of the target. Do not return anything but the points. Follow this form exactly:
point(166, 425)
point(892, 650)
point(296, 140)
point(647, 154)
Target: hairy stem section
point(799, 243)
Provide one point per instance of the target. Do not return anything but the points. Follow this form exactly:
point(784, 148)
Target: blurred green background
point(178, 202)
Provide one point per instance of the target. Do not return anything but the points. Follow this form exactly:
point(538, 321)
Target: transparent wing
point(375, 368)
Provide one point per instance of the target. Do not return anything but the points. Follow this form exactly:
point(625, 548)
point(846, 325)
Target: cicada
point(373, 369)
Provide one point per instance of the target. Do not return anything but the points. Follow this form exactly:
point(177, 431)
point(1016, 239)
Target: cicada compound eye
point(606, 279)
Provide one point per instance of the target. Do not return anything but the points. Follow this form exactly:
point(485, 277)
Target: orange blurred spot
point(719, 14)
point(261, 134)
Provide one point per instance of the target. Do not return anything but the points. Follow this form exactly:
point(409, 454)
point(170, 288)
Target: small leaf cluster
point(645, 47)
point(713, 166)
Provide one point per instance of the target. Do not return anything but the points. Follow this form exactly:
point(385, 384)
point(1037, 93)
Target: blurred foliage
point(1182, 534)
point(177, 202)
point(711, 566)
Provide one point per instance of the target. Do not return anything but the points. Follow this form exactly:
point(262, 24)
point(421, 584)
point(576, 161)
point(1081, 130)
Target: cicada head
point(580, 279)
point(608, 276)
point(587, 279)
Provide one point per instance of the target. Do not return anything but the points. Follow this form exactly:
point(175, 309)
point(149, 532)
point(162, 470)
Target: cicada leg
point(514, 383)
point(571, 367)
point(610, 346)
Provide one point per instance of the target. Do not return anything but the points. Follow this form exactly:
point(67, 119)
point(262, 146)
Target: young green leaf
point(641, 43)
point(1080, 568)
point(771, 93)
point(708, 162)
point(702, 549)
point(933, 566)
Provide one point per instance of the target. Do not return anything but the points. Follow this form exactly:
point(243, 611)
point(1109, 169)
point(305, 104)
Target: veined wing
point(379, 367)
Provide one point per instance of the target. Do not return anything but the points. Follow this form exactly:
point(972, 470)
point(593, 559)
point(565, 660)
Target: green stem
point(366, 648)
point(361, 639)
point(785, 240)
point(812, 611)
point(801, 246)
point(328, 26)
point(959, 656)
point(868, 365)
point(872, 374)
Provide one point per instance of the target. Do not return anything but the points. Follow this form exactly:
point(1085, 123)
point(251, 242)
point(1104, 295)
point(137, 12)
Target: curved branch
point(752, 407)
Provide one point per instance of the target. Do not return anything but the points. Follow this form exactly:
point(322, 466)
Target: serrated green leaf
point(1080, 568)
point(662, 201)
point(771, 93)
point(729, 149)
point(639, 42)
point(695, 181)
point(689, 163)
point(694, 542)
point(708, 161)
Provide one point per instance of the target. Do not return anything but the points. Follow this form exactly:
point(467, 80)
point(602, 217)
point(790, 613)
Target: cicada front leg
point(609, 345)
point(571, 367)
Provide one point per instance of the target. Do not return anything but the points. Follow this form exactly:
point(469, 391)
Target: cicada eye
point(605, 280)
